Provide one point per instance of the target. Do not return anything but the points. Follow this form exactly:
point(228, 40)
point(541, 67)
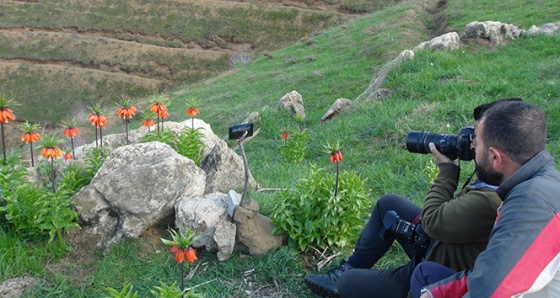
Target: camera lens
point(418, 141)
point(415, 142)
point(405, 231)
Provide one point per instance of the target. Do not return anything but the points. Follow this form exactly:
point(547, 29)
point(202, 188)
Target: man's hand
point(426, 295)
point(438, 157)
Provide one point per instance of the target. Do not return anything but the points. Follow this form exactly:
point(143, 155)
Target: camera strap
point(468, 180)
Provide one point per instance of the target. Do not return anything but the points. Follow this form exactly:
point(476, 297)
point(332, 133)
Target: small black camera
point(452, 146)
point(399, 229)
point(240, 130)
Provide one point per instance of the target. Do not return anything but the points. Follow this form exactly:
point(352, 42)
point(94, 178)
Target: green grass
point(436, 91)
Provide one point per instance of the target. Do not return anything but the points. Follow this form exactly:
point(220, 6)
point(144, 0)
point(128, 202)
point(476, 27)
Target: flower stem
point(52, 167)
point(126, 129)
point(158, 120)
point(182, 277)
point(3, 141)
point(31, 151)
point(72, 142)
point(337, 173)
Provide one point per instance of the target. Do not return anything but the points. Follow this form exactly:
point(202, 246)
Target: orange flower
point(160, 110)
point(126, 109)
point(179, 254)
point(30, 137)
point(336, 156)
point(192, 111)
point(148, 122)
point(284, 134)
point(71, 132)
point(51, 152)
point(126, 113)
point(157, 107)
point(69, 128)
point(182, 255)
point(6, 115)
point(190, 255)
point(97, 120)
point(68, 156)
point(162, 113)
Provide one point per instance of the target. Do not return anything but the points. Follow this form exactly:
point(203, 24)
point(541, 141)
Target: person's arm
point(465, 219)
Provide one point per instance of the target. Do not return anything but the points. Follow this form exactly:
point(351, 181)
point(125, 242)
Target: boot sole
point(320, 291)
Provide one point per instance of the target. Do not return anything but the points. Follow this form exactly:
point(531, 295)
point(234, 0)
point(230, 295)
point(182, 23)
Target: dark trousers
point(427, 273)
point(367, 282)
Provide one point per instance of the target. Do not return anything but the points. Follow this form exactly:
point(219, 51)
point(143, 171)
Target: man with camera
point(523, 255)
point(450, 229)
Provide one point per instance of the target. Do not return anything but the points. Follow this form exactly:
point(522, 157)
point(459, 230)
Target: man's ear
point(497, 159)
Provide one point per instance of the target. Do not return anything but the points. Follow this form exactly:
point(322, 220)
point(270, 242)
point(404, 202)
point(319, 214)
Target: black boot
point(324, 285)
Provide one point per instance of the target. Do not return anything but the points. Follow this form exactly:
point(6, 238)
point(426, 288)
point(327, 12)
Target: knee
point(419, 279)
point(419, 273)
point(388, 202)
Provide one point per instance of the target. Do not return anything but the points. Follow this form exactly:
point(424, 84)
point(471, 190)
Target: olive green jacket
point(461, 224)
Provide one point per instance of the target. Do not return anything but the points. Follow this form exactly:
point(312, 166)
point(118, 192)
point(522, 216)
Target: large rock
point(381, 77)
point(225, 170)
point(16, 287)
point(114, 141)
point(208, 217)
point(339, 106)
point(495, 32)
point(292, 102)
point(255, 235)
point(448, 41)
point(225, 239)
point(209, 139)
point(548, 29)
point(137, 187)
point(201, 214)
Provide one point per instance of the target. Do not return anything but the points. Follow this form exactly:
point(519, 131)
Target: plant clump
point(312, 215)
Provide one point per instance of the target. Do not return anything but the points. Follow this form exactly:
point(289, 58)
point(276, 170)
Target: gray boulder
point(137, 187)
point(339, 106)
point(114, 141)
point(201, 214)
point(293, 103)
point(16, 287)
point(372, 90)
point(548, 28)
point(225, 170)
point(448, 41)
point(495, 32)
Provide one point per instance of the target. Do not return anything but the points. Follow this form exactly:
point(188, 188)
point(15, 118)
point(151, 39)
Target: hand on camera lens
point(438, 157)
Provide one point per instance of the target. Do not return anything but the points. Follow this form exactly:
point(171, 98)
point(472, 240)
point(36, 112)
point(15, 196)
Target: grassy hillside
point(71, 54)
point(435, 91)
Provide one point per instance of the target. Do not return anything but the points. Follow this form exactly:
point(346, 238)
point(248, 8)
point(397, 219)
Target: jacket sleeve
point(464, 219)
point(518, 256)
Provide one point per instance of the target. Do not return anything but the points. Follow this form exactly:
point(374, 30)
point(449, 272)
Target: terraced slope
point(64, 55)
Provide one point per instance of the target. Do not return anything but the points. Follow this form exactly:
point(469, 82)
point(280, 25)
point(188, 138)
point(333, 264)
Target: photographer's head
point(479, 110)
point(508, 134)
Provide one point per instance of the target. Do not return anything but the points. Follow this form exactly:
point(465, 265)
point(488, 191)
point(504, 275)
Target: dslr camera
point(399, 229)
point(452, 146)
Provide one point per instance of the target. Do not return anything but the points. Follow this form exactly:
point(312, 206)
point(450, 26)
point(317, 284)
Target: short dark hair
point(479, 110)
point(516, 127)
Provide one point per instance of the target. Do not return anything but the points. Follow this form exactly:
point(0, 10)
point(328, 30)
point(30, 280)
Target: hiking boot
point(324, 285)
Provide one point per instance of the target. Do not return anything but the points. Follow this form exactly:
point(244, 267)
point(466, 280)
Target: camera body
point(452, 146)
point(399, 229)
